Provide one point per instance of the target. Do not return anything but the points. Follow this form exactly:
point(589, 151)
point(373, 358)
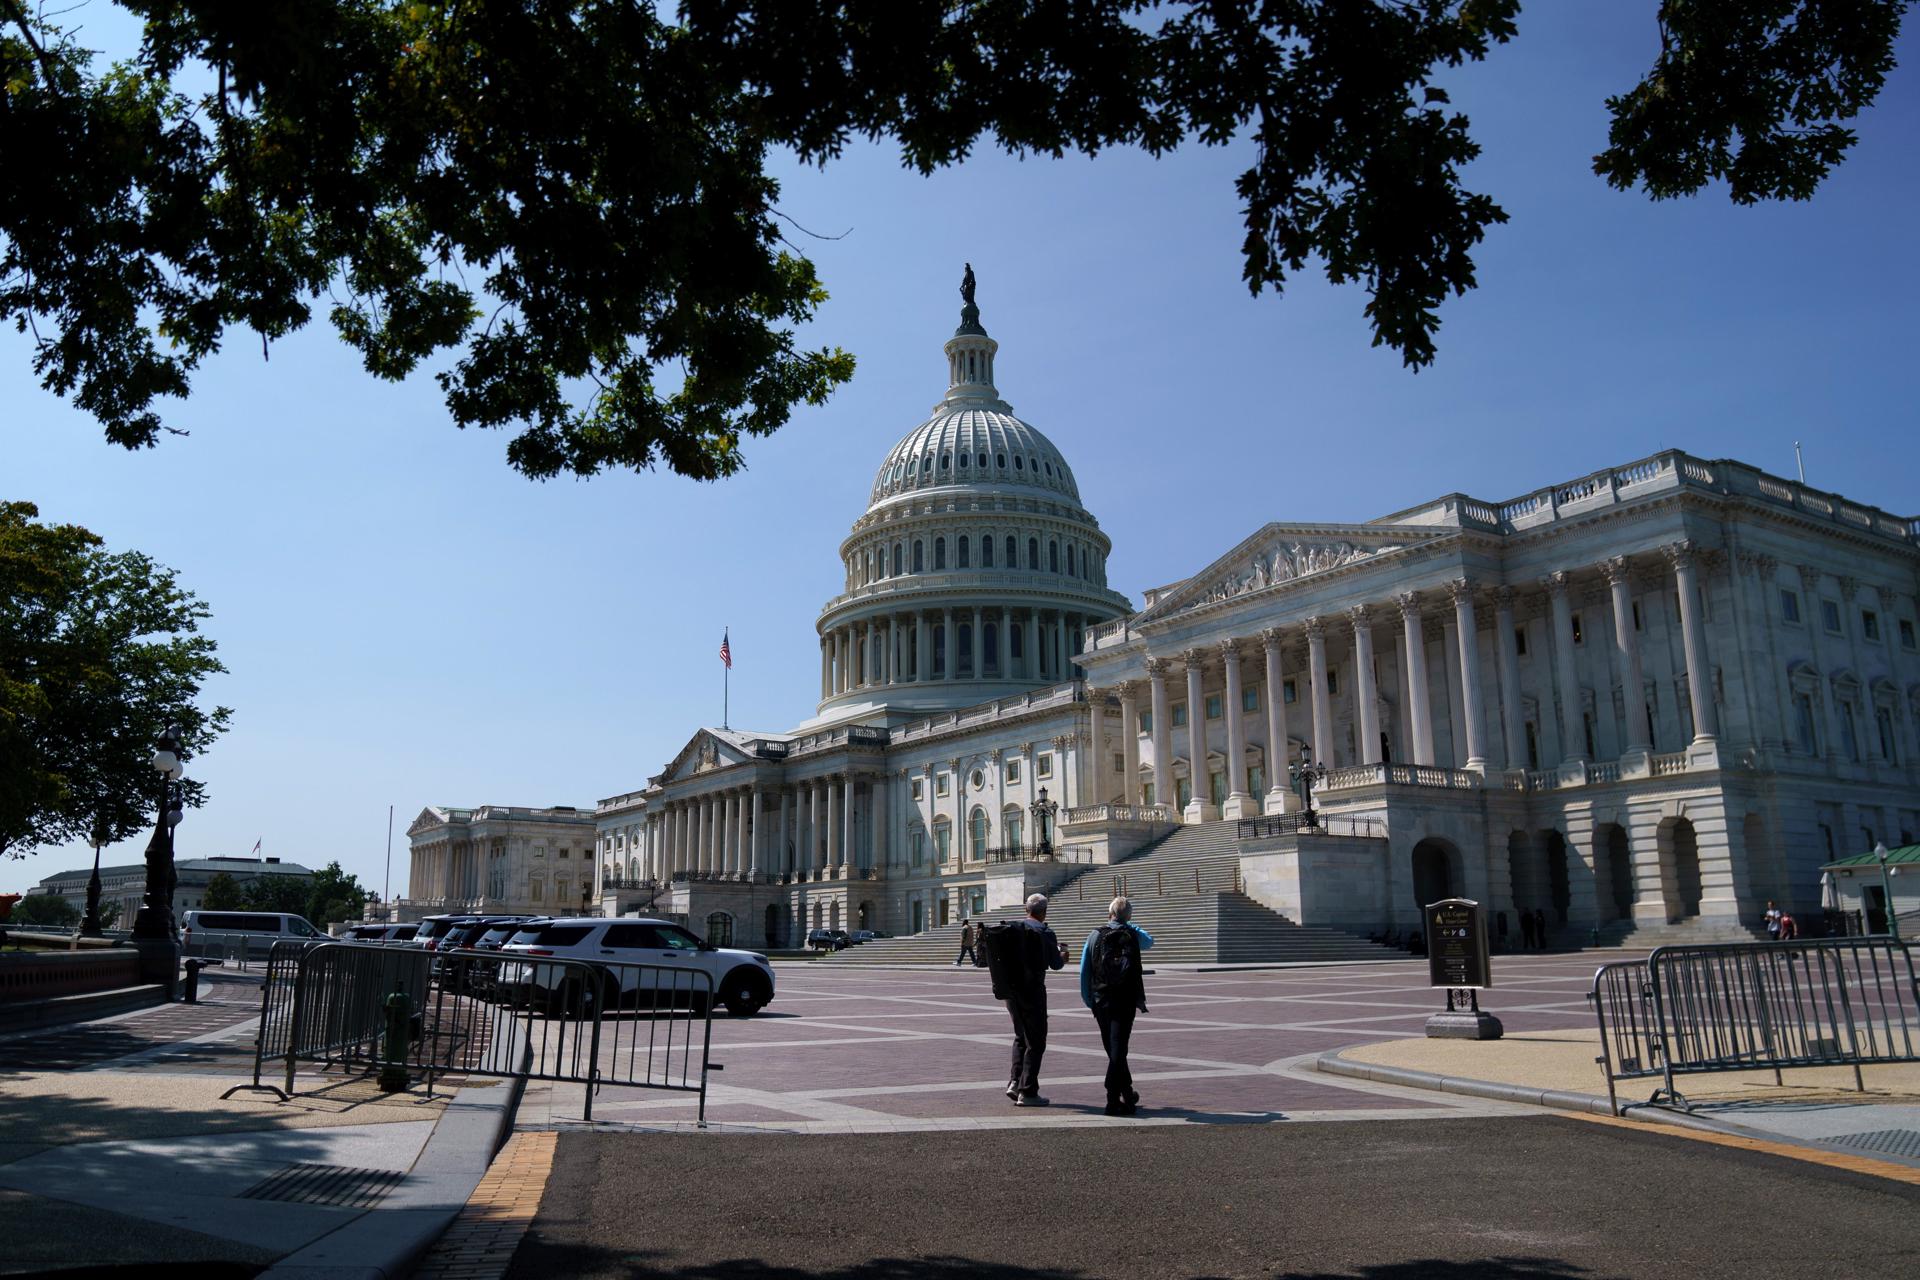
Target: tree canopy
point(569, 204)
point(99, 652)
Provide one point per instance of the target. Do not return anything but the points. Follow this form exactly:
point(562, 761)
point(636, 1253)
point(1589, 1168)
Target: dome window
point(1033, 465)
point(896, 559)
point(1016, 464)
point(1033, 554)
point(1013, 553)
point(926, 464)
point(963, 459)
point(946, 462)
point(1053, 557)
point(965, 549)
point(1070, 572)
point(983, 459)
point(1049, 468)
point(919, 556)
point(986, 552)
point(939, 554)
point(1003, 462)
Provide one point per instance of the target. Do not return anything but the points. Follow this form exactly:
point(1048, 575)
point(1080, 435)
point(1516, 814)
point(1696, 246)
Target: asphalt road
point(1526, 1198)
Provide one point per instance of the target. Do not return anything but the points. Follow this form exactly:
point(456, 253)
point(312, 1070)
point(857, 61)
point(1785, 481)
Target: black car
point(828, 940)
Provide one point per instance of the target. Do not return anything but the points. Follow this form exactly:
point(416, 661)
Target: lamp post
point(153, 928)
point(1305, 774)
point(90, 924)
point(1886, 890)
point(1043, 810)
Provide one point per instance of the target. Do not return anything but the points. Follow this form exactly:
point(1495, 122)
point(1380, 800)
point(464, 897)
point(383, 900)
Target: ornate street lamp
point(1305, 774)
point(1043, 810)
point(90, 924)
point(153, 927)
point(1886, 890)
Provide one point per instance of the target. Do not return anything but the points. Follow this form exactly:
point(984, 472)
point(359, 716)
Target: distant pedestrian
point(1539, 929)
point(1788, 929)
point(1500, 929)
point(1019, 955)
point(968, 954)
point(1772, 919)
point(1526, 929)
point(1111, 986)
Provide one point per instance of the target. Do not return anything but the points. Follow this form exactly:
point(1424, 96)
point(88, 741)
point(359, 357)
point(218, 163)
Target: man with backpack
point(1111, 986)
point(967, 952)
point(1019, 954)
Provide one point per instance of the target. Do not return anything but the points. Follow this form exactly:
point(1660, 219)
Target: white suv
point(742, 980)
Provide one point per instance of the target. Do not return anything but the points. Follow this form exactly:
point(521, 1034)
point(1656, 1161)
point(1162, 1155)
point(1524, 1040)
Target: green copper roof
point(1905, 855)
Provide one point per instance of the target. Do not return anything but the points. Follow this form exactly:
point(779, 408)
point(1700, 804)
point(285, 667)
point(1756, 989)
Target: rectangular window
point(942, 784)
point(1146, 722)
point(1803, 723)
point(539, 851)
point(1217, 788)
point(1587, 724)
point(1333, 680)
point(1214, 708)
point(1250, 698)
point(1848, 740)
point(1520, 641)
point(563, 853)
point(1119, 763)
point(1579, 635)
point(917, 846)
point(1883, 722)
point(1182, 791)
point(1043, 766)
point(1179, 714)
point(1870, 624)
point(1830, 616)
point(1288, 694)
point(1146, 793)
point(1636, 616)
point(919, 792)
point(1256, 780)
point(1906, 633)
point(1789, 606)
point(1013, 771)
point(941, 834)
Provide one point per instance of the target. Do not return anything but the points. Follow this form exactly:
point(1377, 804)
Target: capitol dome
point(974, 571)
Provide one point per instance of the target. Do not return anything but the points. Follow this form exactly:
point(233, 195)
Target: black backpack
point(1115, 968)
point(1013, 957)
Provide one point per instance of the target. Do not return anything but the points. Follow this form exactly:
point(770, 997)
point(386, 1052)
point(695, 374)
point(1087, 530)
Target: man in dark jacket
point(1115, 1004)
point(1027, 1006)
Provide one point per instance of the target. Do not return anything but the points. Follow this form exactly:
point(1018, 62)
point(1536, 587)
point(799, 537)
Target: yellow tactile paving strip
point(480, 1243)
point(1812, 1155)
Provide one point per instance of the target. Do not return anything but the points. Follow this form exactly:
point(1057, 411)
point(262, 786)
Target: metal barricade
point(1848, 1002)
point(630, 1025)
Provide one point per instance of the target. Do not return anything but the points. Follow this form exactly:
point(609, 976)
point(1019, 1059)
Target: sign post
point(1459, 961)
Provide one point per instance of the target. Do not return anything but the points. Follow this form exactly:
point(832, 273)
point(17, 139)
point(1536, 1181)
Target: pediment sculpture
point(1285, 561)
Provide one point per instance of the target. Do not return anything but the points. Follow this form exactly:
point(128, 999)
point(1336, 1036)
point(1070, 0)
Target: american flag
point(726, 651)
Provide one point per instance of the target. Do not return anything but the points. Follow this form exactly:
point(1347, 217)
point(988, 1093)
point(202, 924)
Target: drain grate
point(328, 1184)
point(1887, 1142)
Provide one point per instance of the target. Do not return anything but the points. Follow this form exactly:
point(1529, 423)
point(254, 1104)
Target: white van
point(221, 933)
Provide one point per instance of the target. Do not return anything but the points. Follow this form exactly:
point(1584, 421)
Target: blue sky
point(409, 622)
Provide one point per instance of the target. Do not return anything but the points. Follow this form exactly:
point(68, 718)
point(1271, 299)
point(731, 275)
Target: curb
point(1335, 1065)
point(55, 1011)
point(385, 1243)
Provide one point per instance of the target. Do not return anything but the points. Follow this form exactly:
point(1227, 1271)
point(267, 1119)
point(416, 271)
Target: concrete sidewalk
point(116, 1147)
point(1558, 1069)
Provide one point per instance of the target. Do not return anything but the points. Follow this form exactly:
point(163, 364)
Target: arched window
point(1033, 554)
point(919, 557)
point(926, 465)
point(898, 559)
point(965, 547)
point(1013, 553)
point(1070, 560)
point(1053, 557)
point(939, 554)
point(963, 458)
point(986, 552)
point(942, 839)
point(983, 459)
point(977, 835)
point(1002, 460)
point(946, 462)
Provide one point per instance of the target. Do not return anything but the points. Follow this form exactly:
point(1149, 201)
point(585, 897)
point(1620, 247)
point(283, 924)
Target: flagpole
point(386, 884)
point(726, 684)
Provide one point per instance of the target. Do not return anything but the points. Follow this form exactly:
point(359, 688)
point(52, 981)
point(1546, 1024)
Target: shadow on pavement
point(538, 1259)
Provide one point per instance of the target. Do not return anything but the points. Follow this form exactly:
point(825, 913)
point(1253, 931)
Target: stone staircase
point(1185, 892)
point(1627, 933)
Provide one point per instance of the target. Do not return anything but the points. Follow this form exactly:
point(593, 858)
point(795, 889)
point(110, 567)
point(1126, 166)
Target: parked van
point(219, 933)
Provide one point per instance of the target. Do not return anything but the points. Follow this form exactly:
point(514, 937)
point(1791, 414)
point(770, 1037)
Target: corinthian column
point(1693, 639)
point(1162, 739)
point(1130, 741)
point(1419, 701)
point(1280, 799)
point(1474, 714)
point(1512, 720)
point(1573, 716)
point(1626, 643)
point(1322, 745)
point(1366, 696)
point(1239, 803)
point(1200, 804)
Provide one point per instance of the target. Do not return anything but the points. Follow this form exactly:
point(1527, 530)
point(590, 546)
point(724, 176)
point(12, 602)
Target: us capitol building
point(1646, 700)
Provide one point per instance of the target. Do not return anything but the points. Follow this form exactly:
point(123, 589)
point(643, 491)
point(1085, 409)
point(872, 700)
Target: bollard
point(393, 1074)
point(192, 995)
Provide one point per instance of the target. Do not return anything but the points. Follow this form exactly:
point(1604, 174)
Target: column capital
point(1617, 570)
point(1362, 615)
point(1409, 604)
point(1127, 689)
point(1556, 583)
point(1064, 741)
point(1504, 596)
point(1229, 651)
point(1026, 748)
point(1195, 658)
point(1158, 667)
point(1849, 588)
point(1679, 554)
point(1272, 638)
point(1459, 589)
point(1315, 628)
point(1809, 577)
point(1765, 564)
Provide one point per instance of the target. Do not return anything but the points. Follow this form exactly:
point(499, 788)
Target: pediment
point(1280, 554)
point(429, 818)
point(705, 752)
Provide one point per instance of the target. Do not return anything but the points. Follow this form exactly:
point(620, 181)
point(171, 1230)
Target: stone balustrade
point(1118, 813)
point(1399, 775)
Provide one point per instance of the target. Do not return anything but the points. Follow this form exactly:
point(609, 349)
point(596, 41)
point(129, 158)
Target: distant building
point(127, 884)
point(505, 859)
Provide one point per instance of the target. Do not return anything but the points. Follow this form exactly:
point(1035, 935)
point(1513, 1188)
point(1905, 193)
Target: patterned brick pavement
point(480, 1243)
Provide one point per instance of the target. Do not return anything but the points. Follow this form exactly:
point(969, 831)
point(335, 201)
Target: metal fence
point(1315, 823)
point(631, 1025)
point(1827, 1002)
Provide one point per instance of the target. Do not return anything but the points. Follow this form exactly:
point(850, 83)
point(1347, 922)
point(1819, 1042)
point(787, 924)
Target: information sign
point(1457, 956)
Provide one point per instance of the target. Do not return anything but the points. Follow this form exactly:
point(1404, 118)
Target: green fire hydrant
point(393, 1074)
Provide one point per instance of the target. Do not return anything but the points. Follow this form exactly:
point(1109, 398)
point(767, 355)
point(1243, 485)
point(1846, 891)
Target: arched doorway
point(1614, 870)
point(1679, 868)
point(833, 916)
point(1434, 875)
point(720, 929)
point(1522, 872)
point(865, 916)
point(1559, 891)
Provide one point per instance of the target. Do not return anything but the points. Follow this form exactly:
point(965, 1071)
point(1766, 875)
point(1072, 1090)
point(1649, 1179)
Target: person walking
point(1772, 919)
point(1111, 986)
point(1539, 929)
point(1526, 929)
point(1020, 979)
point(967, 952)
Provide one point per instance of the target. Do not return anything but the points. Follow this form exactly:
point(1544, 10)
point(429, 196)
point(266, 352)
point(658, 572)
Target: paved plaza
point(855, 1050)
